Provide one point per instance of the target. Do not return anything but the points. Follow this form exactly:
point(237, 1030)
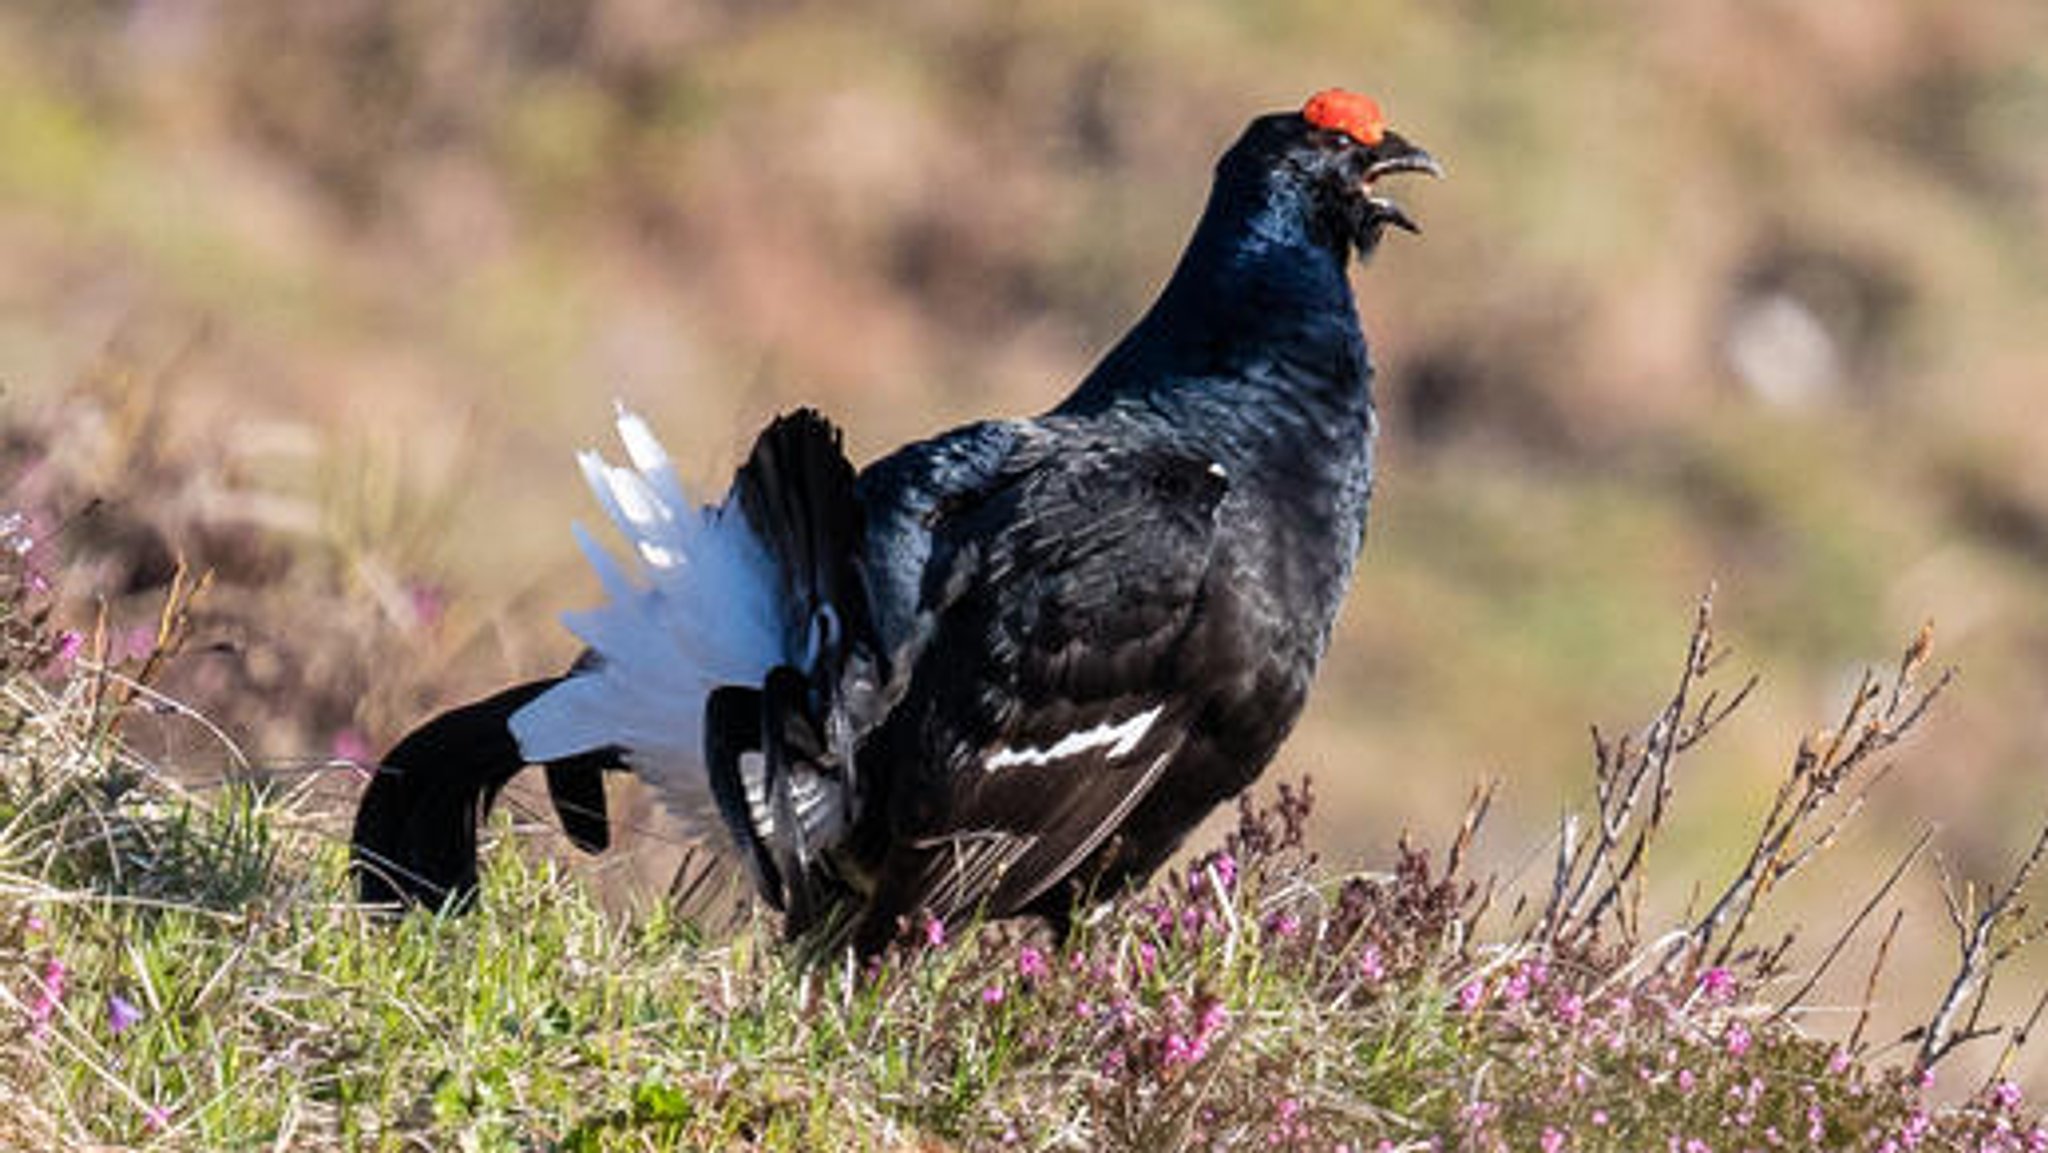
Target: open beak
point(1393, 155)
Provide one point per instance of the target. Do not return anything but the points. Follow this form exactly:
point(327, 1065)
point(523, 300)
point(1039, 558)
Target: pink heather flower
point(1816, 1124)
point(1478, 1114)
point(1084, 1010)
point(69, 645)
point(1371, 967)
point(1516, 990)
point(1147, 956)
point(1599, 1118)
point(1181, 1050)
point(1926, 1079)
point(1695, 1145)
point(1686, 1080)
point(49, 995)
point(1571, 1009)
point(1472, 995)
point(35, 925)
point(1717, 983)
point(1225, 868)
point(2006, 1095)
point(992, 995)
point(156, 1117)
point(1916, 1128)
point(934, 932)
point(1031, 964)
point(1838, 1062)
point(1214, 1018)
point(1284, 925)
point(1737, 1039)
point(122, 1015)
point(1552, 1140)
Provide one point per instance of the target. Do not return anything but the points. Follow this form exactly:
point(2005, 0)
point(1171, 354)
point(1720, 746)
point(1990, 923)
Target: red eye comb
point(1356, 116)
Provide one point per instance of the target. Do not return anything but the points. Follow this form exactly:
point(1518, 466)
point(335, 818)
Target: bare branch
point(1978, 958)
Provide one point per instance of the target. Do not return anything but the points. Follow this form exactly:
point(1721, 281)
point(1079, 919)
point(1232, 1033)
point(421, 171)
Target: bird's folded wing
point(1039, 710)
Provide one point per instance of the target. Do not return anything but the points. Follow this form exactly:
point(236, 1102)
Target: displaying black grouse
point(999, 670)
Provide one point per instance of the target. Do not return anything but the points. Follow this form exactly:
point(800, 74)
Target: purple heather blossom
point(122, 1015)
point(1224, 866)
point(992, 994)
point(1371, 967)
point(934, 932)
point(1031, 963)
point(1917, 1126)
point(1718, 983)
point(1737, 1039)
point(1571, 1009)
point(1472, 996)
point(1516, 989)
point(1552, 1140)
point(69, 644)
point(156, 1117)
point(1181, 1049)
point(1284, 925)
point(49, 995)
point(2006, 1095)
point(1478, 1114)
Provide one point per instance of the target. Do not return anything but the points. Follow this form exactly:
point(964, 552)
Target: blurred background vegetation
point(322, 297)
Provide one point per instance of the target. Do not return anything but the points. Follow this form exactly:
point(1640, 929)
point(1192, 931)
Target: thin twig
point(1856, 922)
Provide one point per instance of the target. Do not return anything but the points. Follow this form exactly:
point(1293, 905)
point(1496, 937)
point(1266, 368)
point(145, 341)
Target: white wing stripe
point(1120, 737)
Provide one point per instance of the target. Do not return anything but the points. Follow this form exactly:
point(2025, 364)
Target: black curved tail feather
point(415, 838)
point(797, 491)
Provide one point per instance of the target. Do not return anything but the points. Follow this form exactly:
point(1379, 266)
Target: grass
point(183, 968)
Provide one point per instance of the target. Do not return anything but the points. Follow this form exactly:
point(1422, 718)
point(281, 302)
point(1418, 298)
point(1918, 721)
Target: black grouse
point(1000, 670)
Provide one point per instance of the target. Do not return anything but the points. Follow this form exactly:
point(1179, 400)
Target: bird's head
point(1320, 167)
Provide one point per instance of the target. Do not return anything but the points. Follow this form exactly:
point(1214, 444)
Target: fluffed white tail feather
point(695, 609)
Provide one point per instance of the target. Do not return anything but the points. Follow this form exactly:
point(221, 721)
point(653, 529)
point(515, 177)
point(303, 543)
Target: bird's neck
point(1258, 307)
